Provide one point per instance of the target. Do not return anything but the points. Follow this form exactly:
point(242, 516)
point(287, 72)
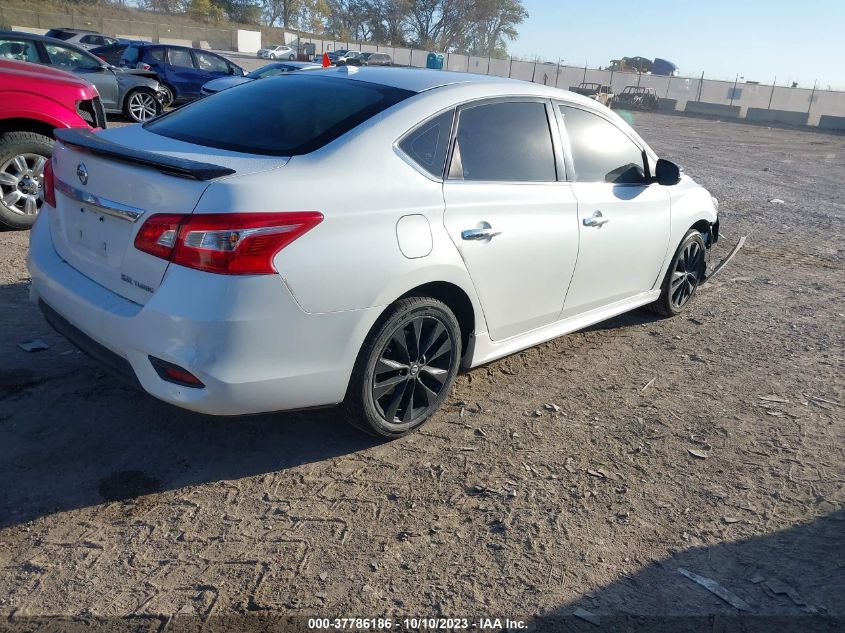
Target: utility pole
point(557, 72)
point(584, 80)
point(812, 94)
point(733, 92)
point(772, 95)
point(700, 84)
point(534, 72)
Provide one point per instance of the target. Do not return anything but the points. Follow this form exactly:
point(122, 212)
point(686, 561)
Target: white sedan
point(359, 242)
point(279, 51)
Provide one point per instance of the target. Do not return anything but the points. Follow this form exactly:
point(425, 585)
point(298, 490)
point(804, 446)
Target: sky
point(758, 39)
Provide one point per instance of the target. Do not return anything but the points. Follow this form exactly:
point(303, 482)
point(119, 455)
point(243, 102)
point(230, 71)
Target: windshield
point(291, 114)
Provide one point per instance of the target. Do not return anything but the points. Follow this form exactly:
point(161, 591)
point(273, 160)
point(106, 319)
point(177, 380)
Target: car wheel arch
point(458, 301)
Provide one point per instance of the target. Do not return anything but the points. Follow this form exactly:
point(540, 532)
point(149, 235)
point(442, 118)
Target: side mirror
point(667, 173)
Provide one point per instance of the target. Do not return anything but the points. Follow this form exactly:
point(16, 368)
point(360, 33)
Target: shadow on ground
point(73, 436)
point(769, 573)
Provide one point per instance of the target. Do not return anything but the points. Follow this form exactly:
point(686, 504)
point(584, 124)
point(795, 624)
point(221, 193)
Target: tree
point(495, 23)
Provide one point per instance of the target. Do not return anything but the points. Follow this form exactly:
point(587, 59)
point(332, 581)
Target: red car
point(34, 100)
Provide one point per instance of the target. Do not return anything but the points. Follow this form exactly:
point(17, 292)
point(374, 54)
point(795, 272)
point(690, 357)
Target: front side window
point(180, 57)
point(292, 114)
point(601, 152)
point(70, 58)
point(428, 144)
point(211, 63)
point(507, 141)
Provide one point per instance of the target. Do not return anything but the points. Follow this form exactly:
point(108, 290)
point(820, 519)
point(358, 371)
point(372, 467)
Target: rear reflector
point(49, 184)
point(224, 243)
point(175, 374)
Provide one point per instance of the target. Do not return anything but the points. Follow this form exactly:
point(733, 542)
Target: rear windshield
point(286, 115)
point(59, 34)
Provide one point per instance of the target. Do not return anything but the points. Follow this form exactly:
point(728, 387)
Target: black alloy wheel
point(405, 369)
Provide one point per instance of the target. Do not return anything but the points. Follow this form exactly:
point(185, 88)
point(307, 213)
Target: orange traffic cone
point(326, 61)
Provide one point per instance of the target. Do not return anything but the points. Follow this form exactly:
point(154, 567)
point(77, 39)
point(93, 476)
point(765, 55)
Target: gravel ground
point(558, 479)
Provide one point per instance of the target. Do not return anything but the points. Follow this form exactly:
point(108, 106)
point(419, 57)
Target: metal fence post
point(772, 95)
point(557, 71)
point(534, 72)
point(733, 91)
point(700, 84)
point(488, 65)
point(510, 68)
point(584, 80)
point(812, 94)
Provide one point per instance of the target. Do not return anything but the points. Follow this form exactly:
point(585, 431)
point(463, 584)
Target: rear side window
point(289, 115)
point(156, 55)
point(428, 144)
point(19, 50)
point(509, 141)
point(180, 57)
point(59, 34)
point(600, 150)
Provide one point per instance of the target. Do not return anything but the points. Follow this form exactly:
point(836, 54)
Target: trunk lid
point(109, 183)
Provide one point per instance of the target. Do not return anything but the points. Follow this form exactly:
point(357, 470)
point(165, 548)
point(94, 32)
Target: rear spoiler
point(89, 141)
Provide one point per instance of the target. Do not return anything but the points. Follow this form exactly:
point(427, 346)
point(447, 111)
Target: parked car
point(136, 95)
point(600, 92)
point(270, 70)
point(241, 280)
point(277, 52)
point(371, 59)
point(182, 71)
point(34, 100)
point(81, 37)
point(342, 56)
point(637, 98)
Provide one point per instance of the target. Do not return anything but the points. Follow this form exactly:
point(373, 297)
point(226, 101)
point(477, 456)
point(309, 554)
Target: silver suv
point(81, 37)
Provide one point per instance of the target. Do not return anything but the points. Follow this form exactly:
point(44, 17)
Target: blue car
point(181, 70)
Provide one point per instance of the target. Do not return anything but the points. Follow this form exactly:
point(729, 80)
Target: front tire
point(272, 56)
point(22, 159)
point(685, 274)
point(141, 105)
point(291, 58)
point(405, 369)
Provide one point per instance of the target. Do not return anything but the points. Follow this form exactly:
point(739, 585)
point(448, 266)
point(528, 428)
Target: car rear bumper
point(254, 349)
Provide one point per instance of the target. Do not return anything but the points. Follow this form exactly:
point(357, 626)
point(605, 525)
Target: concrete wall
point(712, 109)
point(764, 115)
point(827, 122)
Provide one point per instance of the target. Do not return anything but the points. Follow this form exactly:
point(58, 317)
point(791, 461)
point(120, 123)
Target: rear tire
point(22, 159)
point(684, 275)
point(405, 369)
point(291, 58)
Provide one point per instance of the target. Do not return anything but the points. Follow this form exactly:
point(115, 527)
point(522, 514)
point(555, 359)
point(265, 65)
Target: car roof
point(71, 29)
point(45, 39)
point(423, 79)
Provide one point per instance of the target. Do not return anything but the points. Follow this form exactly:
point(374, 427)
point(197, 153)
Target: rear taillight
point(143, 66)
point(229, 244)
point(103, 58)
point(48, 184)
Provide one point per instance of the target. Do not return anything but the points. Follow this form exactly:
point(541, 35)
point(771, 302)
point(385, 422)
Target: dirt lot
point(113, 504)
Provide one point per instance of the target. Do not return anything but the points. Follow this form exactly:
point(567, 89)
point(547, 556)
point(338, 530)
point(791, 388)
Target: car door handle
point(479, 234)
point(596, 220)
